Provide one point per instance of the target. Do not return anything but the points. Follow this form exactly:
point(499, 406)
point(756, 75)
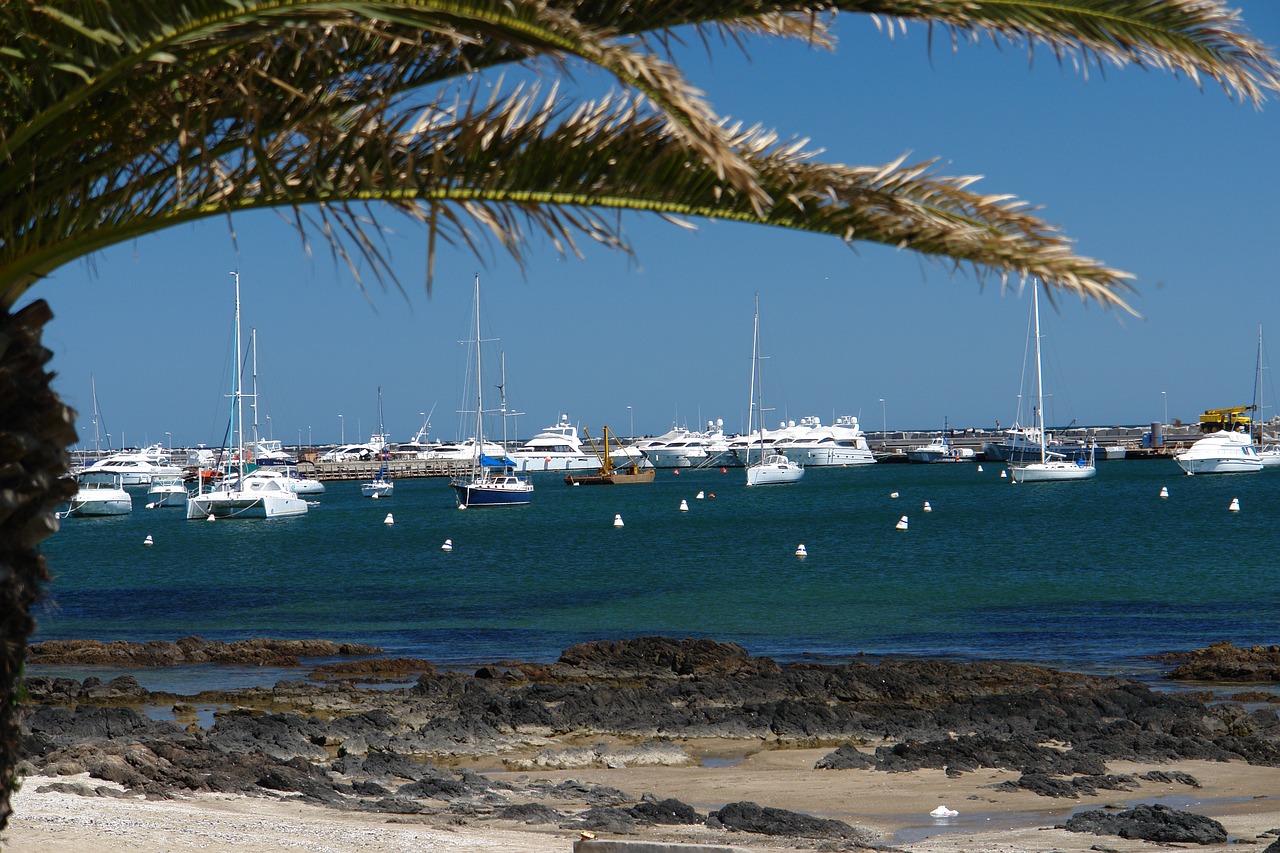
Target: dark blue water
point(1091, 575)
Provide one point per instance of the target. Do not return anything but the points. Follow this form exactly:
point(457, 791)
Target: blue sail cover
point(490, 462)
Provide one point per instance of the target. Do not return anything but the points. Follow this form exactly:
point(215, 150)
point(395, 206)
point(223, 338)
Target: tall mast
point(753, 404)
point(237, 408)
point(253, 397)
point(1035, 303)
point(479, 383)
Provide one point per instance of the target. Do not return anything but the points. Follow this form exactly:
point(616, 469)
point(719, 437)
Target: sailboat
point(242, 497)
point(380, 486)
point(773, 468)
point(490, 481)
point(1268, 451)
point(609, 475)
point(1050, 467)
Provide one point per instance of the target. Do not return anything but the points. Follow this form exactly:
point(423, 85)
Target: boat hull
point(829, 457)
point(377, 489)
point(1048, 472)
point(168, 496)
point(617, 478)
point(1220, 466)
point(773, 473)
point(110, 506)
point(525, 464)
point(246, 505)
point(480, 495)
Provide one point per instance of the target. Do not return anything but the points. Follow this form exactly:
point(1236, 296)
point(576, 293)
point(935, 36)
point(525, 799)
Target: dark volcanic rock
point(847, 757)
point(260, 652)
point(530, 813)
point(1227, 662)
point(1151, 823)
point(662, 655)
point(749, 817)
point(669, 811)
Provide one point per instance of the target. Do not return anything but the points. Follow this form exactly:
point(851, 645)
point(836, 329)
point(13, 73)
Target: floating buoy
point(712, 495)
point(724, 470)
point(927, 508)
point(902, 524)
point(698, 496)
point(893, 494)
point(211, 517)
point(684, 505)
point(389, 519)
point(1164, 491)
point(943, 811)
point(979, 469)
point(1004, 473)
point(447, 546)
point(800, 551)
point(676, 471)
point(1235, 505)
point(152, 505)
point(617, 520)
point(148, 540)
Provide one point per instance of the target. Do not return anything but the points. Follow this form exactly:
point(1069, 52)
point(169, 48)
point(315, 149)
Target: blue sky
point(1142, 169)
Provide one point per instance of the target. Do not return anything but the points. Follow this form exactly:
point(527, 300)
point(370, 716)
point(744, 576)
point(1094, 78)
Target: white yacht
point(843, 443)
point(288, 476)
point(100, 493)
point(136, 467)
point(166, 491)
point(752, 447)
point(556, 448)
point(683, 448)
point(1222, 452)
point(940, 450)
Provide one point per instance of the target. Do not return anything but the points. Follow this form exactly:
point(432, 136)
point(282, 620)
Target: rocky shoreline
point(398, 737)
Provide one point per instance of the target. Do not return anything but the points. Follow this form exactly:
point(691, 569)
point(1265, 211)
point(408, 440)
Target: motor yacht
point(843, 443)
point(100, 493)
point(136, 467)
point(1222, 452)
point(556, 448)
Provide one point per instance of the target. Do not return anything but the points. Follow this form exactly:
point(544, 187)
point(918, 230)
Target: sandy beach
point(1245, 799)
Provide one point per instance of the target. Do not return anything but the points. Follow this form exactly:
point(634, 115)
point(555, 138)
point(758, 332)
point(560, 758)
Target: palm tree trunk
point(35, 430)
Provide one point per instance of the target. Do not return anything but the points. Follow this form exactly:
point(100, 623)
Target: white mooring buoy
point(1164, 491)
point(447, 546)
point(389, 519)
point(617, 520)
point(1235, 505)
point(699, 496)
point(684, 505)
point(927, 508)
point(893, 494)
point(148, 540)
point(211, 517)
point(979, 469)
point(902, 524)
point(800, 551)
point(1004, 473)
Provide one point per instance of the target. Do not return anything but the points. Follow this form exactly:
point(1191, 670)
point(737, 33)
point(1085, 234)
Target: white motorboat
point(492, 480)
point(1050, 467)
point(136, 467)
point(843, 443)
point(755, 445)
point(166, 491)
point(99, 493)
point(773, 468)
point(288, 477)
point(1221, 452)
point(243, 496)
point(556, 448)
point(1269, 455)
point(940, 450)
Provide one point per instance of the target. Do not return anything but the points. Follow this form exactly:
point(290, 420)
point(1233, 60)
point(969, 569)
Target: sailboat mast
point(1035, 302)
point(753, 405)
point(237, 408)
point(253, 397)
point(479, 384)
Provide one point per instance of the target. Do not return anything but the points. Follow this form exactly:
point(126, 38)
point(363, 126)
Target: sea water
point(1094, 575)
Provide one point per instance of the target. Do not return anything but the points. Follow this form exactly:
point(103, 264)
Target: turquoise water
point(1091, 575)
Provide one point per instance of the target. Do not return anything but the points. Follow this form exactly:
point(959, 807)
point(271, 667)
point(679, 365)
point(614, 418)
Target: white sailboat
point(1268, 449)
point(492, 481)
point(774, 467)
point(381, 485)
point(243, 497)
point(1050, 467)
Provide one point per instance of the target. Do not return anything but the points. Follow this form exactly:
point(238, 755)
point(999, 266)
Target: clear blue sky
point(1143, 170)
